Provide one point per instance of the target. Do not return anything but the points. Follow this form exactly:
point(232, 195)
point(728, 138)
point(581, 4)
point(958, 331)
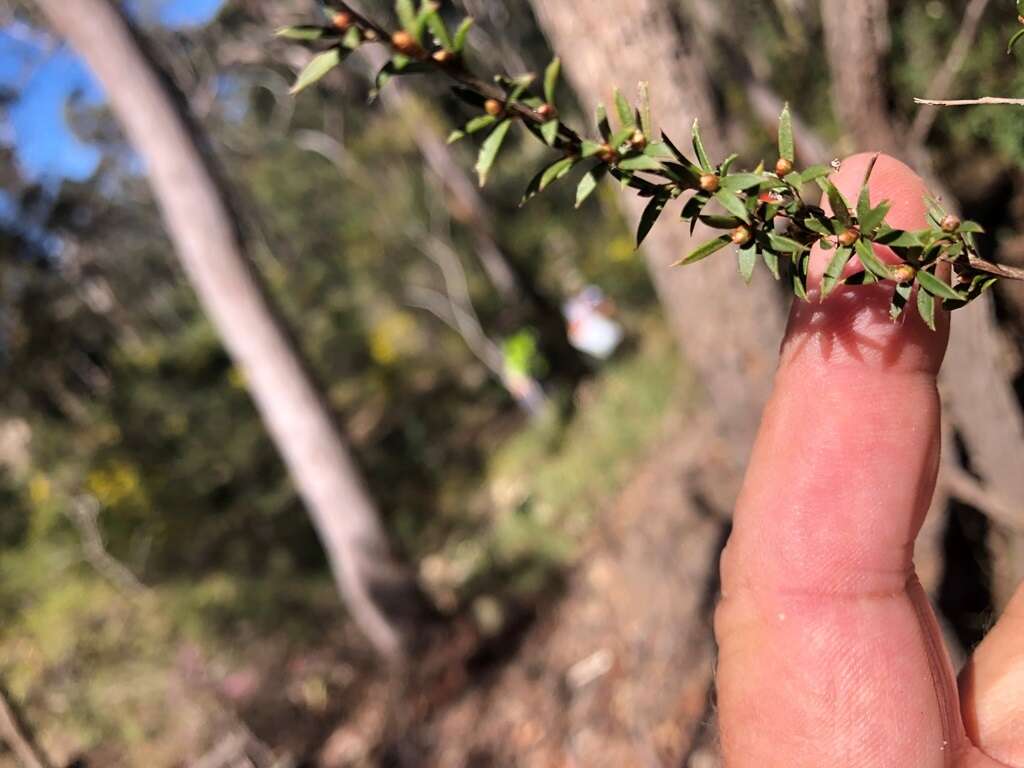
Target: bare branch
point(84, 514)
point(969, 102)
point(943, 79)
point(18, 737)
point(964, 486)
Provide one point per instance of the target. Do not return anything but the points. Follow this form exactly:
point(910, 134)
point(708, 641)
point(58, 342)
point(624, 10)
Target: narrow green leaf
point(698, 148)
point(352, 39)
point(589, 183)
point(603, 126)
point(650, 216)
point(705, 250)
point(926, 308)
point(640, 163)
point(480, 122)
point(840, 208)
point(898, 238)
point(626, 116)
point(937, 287)
point(1014, 40)
point(740, 182)
point(787, 148)
point(971, 227)
point(900, 297)
point(556, 171)
point(321, 64)
point(863, 206)
point(771, 260)
point(551, 75)
point(462, 35)
point(406, 14)
point(549, 131)
point(440, 30)
point(834, 271)
point(720, 222)
point(304, 32)
point(747, 261)
point(455, 136)
point(785, 244)
point(490, 148)
point(589, 148)
point(646, 123)
point(799, 287)
point(874, 218)
point(870, 261)
point(814, 173)
point(723, 169)
point(733, 204)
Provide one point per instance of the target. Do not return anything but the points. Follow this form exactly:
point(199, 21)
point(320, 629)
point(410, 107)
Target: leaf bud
point(607, 153)
point(547, 111)
point(709, 182)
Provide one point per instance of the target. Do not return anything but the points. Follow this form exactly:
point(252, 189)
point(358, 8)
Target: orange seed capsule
point(709, 182)
point(951, 223)
point(493, 107)
point(849, 237)
point(546, 111)
point(741, 235)
point(783, 167)
point(903, 273)
point(343, 20)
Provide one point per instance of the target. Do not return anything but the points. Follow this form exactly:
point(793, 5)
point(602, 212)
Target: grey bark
point(729, 334)
point(378, 592)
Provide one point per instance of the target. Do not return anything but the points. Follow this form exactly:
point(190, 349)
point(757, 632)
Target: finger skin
point(828, 652)
point(992, 689)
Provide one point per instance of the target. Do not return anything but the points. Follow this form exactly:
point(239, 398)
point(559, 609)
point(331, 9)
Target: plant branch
point(943, 79)
point(970, 102)
point(18, 736)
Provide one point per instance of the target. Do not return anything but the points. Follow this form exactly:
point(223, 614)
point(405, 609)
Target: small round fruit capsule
point(406, 43)
point(443, 57)
point(783, 167)
point(951, 223)
point(903, 273)
point(342, 20)
point(849, 237)
point(709, 182)
point(741, 235)
point(493, 107)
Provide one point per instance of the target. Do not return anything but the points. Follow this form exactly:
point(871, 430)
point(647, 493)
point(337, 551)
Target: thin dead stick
point(962, 485)
point(18, 737)
point(943, 79)
point(970, 102)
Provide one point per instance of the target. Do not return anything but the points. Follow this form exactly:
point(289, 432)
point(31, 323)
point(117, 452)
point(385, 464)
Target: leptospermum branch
point(762, 213)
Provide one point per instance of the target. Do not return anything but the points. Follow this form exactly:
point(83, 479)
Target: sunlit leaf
point(705, 250)
point(490, 148)
point(787, 149)
point(316, 69)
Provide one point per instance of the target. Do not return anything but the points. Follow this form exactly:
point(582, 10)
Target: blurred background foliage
point(115, 388)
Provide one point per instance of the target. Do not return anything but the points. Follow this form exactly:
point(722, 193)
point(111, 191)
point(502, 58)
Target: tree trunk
point(728, 332)
point(379, 593)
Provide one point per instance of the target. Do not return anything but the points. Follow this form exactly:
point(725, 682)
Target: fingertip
point(854, 323)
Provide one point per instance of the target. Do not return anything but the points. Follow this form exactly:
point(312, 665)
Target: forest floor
point(615, 670)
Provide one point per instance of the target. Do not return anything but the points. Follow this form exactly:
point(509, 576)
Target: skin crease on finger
point(828, 652)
